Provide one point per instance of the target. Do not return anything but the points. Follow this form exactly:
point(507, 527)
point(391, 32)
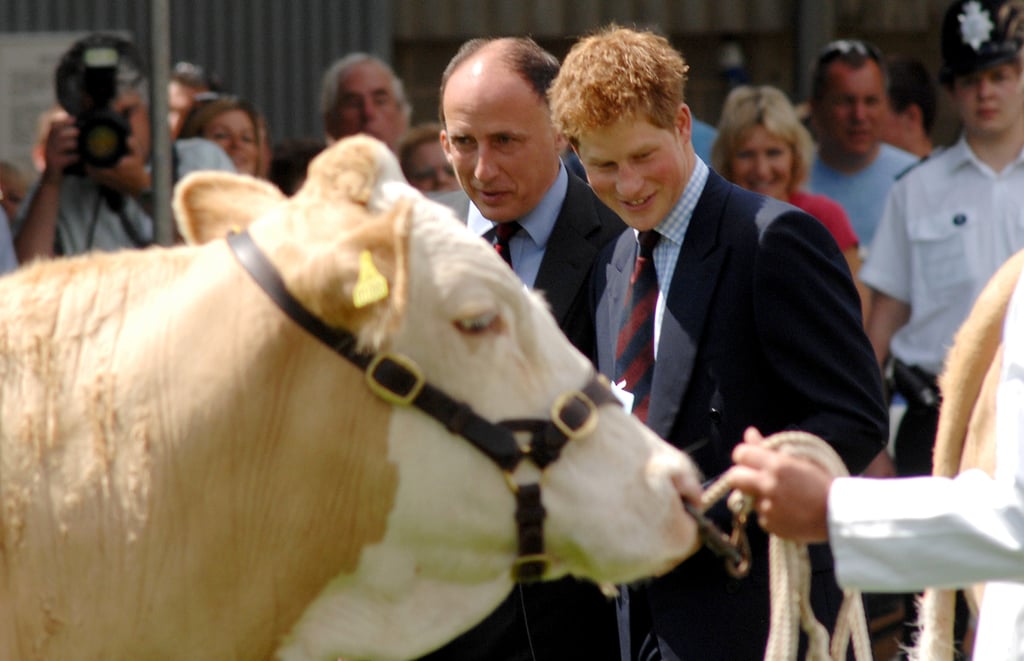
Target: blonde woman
point(763, 146)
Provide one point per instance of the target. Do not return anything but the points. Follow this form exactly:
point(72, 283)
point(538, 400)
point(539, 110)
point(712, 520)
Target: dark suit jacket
point(762, 327)
point(564, 619)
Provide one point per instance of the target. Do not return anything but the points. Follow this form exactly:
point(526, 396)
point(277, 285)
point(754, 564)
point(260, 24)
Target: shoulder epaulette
point(902, 173)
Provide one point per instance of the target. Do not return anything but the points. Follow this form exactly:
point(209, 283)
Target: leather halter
point(398, 380)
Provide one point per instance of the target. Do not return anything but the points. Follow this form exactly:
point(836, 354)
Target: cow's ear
point(208, 205)
point(359, 282)
point(352, 171)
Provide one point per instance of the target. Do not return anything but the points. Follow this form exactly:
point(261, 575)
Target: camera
point(90, 77)
point(102, 131)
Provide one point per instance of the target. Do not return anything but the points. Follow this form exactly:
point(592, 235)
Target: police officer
point(951, 221)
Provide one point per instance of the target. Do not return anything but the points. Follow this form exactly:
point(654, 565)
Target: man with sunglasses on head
point(848, 106)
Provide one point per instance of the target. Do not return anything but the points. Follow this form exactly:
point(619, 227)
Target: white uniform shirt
point(902, 535)
point(948, 225)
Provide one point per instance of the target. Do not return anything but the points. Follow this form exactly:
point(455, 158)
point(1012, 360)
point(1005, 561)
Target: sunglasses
point(193, 75)
point(853, 51)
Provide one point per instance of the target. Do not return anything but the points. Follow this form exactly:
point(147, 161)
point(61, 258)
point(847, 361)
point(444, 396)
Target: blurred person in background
point(8, 259)
point(360, 93)
point(848, 105)
point(13, 186)
point(913, 101)
point(232, 123)
point(423, 160)
point(290, 161)
point(188, 80)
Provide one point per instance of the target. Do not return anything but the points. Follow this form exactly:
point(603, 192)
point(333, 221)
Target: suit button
point(716, 415)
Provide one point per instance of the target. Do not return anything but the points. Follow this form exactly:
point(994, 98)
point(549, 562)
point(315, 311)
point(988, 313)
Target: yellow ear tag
point(371, 286)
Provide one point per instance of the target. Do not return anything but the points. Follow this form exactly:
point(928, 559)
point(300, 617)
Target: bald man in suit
point(505, 152)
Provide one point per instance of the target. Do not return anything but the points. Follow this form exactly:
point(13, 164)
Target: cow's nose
point(686, 481)
point(678, 470)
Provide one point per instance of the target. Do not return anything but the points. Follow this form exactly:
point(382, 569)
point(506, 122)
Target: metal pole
point(160, 61)
point(815, 27)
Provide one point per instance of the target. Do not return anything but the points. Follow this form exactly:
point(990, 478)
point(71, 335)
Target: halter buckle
point(567, 403)
point(394, 378)
point(530, 568)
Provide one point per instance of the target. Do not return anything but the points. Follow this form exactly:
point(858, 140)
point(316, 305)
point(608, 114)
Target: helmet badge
point(975, 25)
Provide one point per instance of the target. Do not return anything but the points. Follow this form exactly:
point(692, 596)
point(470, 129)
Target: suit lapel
point(622, 261)
point(568, 255)
point(686, 308)
point(612, 307)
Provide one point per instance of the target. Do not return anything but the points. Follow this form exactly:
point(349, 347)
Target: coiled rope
point(789, 570)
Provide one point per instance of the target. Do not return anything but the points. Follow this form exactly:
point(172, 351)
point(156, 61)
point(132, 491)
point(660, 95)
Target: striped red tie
point(503, 232)
point(634, 357)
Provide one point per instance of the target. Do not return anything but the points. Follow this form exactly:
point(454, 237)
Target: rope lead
point(789, 570)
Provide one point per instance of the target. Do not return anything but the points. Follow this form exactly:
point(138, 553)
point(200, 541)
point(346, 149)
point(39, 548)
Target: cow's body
point(966, 434)
point(188, 474)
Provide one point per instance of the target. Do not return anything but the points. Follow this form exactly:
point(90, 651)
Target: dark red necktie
point(634, 356)
point(503, 233)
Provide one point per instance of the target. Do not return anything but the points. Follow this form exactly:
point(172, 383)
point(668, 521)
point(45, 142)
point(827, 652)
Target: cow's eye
point(478, 324)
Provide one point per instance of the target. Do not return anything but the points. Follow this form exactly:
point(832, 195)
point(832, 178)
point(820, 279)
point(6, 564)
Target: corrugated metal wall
point(269, 51)
point(273, 51)
point(544, 19)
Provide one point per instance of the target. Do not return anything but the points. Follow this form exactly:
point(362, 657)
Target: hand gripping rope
point(789, 569)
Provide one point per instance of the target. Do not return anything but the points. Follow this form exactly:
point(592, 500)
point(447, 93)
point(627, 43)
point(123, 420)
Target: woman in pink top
point(763, 146)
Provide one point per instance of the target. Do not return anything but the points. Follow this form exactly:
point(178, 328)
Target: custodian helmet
point(976, 35)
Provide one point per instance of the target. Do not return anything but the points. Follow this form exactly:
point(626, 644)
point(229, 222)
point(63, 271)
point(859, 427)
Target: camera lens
point(103, 138)
point(101, 143)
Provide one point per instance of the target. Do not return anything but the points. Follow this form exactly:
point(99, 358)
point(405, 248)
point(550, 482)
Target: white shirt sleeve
point(907, 534)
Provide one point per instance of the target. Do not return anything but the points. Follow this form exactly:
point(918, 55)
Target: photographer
point(94, 192)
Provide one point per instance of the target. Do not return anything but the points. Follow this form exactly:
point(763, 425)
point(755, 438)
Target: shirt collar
point(960, 154)
point(540, 221)
point(673, 227)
